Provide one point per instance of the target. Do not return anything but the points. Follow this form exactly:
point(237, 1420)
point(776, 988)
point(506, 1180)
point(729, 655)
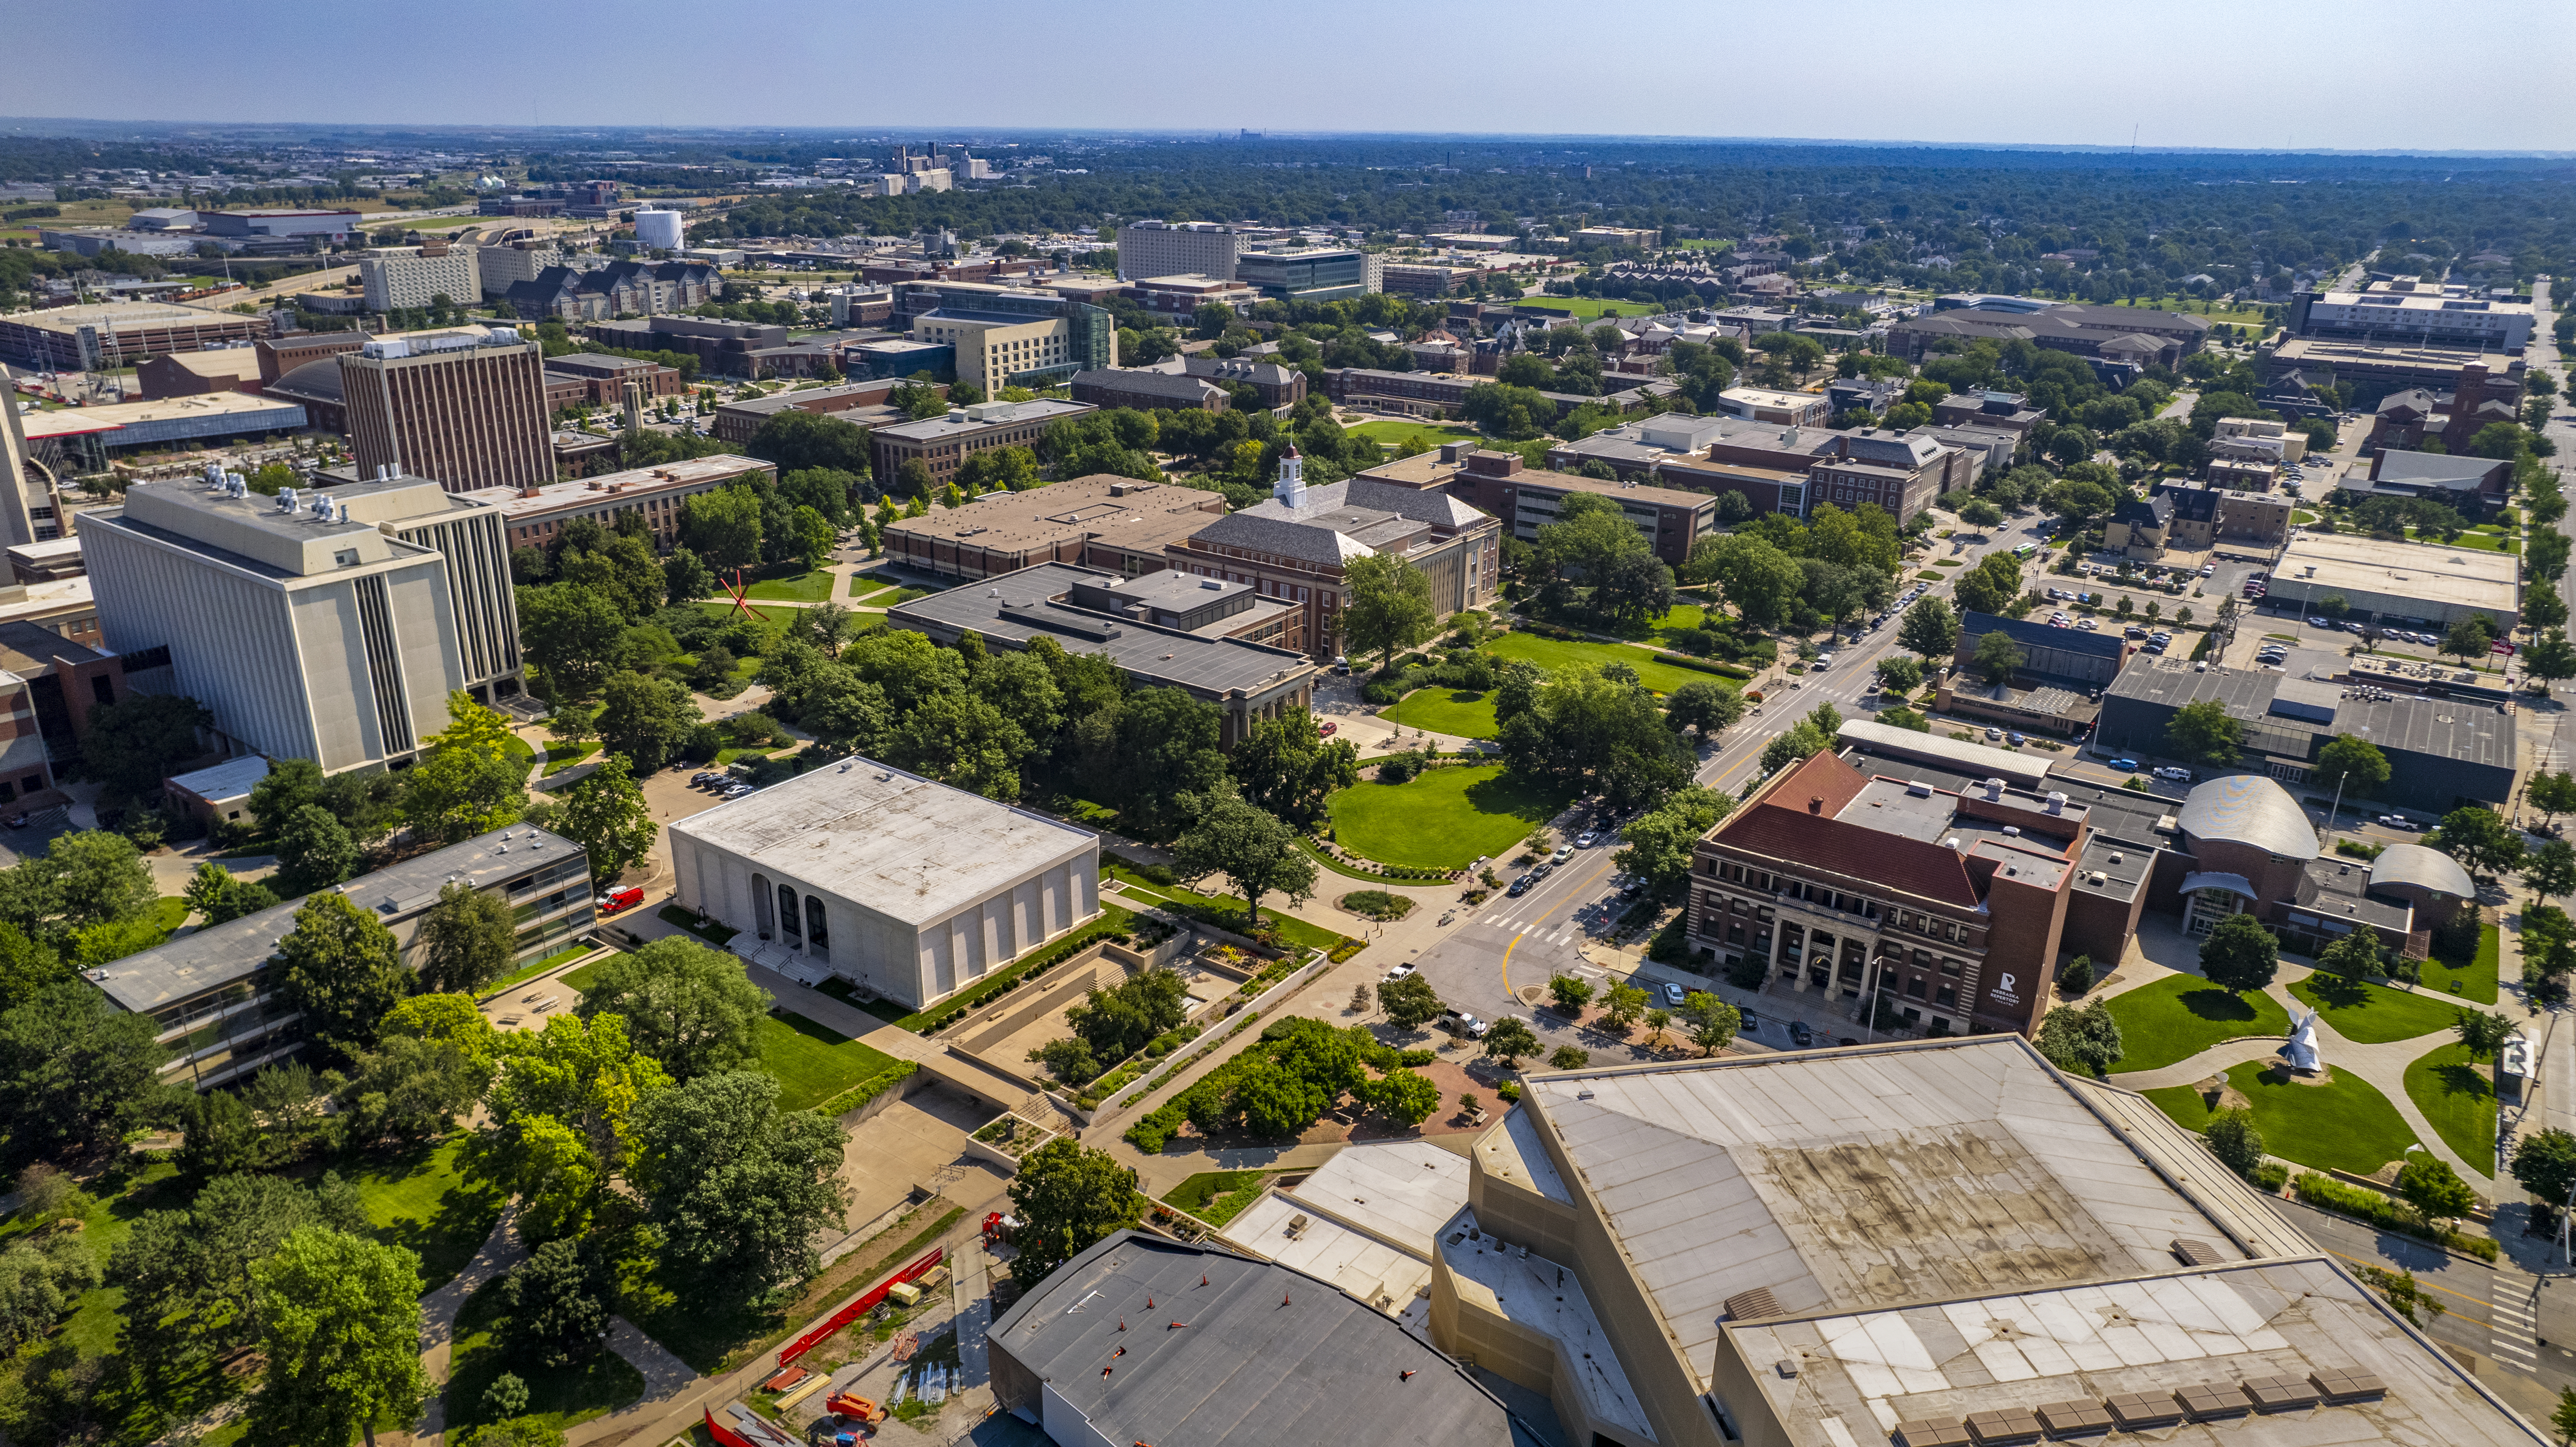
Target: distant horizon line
point(26, 127)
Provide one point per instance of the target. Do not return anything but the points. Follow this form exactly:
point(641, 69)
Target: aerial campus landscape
point(718, 729)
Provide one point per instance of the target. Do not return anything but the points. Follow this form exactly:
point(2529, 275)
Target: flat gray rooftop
point(1020, 606)
point(2154, 1335)
point(1258, 1356)
point(218, 955)
point(1867, 1179)
point(895, 843)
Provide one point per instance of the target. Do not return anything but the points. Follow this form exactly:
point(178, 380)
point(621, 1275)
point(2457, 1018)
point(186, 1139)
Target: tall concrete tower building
point(468, 410)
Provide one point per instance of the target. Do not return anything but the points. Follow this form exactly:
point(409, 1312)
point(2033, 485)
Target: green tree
point(41, 1279)
point(76, 1071)
point(1285, 767)
point(1621, 1004)
point(187, 1273)
point(1759, 581)
point(131, 745)
point(1250, 847)
point(812, 536)
point(340, 1327)
point(1930, 629)
point(2564, 1417)
point(1409, 1002)
point(2552, 794)
point(2235, 1140)
point(686, 1005)
point(1571, 994)
point(686, 578)
point(2469, 638)
point(2550, 873)
point(1509, 1040)
point(223, 896)
point(1997, 656)
point(2081, 1038)
point(646, 719)
point(2204, 733)
point(1990, 586)
point(2544, 1164)
point(314, 851)
point(2480, 839)
point(2550, 657)
point(606, 815)
point(1980, 514)
point(1405, 1097)
point(1704, 705)
point(218, 1136)
point(1568, 1057)
point(1712, 1022)
point(963, 741)
point(2352, 958)
point(2350, 764)
point(2435, 1190)
point(560, 1302)
point(88, 878)
point(1902, 674)
point(340, 969)
point(560, 1118)
point(1657, 844)
point(1153, 757)
point(569, 635)
point(797, 441)
point(470, 781)
point(2239, 955)
point(2483, 1034)
point(468, 939)
point(1388, 608)
point(1068, 1197)
point(724, 528)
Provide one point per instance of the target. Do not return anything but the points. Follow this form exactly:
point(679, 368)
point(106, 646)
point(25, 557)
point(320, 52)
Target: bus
point(2025, 551)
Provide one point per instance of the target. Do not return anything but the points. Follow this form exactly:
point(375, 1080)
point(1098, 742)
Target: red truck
point(616, 900)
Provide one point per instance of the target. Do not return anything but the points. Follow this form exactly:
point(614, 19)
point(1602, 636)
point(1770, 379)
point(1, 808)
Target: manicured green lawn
point(2345, 1125)
point(2374, 1014)
point(722, 609)
point(421, 1200)
point(560, 757)
point(1444, 710)
point(1553, 654)
point(812, 1063)
point(1430, 432)
point(557, 1396)
point(2475, 980)
point(1442, 819)
point(864, 589)
point(2180, 1016)
point(534, 968)
point(811, 587)
point(2457, 1095)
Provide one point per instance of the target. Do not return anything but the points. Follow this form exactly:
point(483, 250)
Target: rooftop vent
point(2137, 1411)
point(2056, 803)
point(1747, 1305)
point(2212, 1401)
point(2068, 1419)
point(2191, 1252)
point(1918, 789)
point(1934, 1432)
point(2345, 1384)
point(2002, 1427)
point(2012, 831)
point(2280, 1394)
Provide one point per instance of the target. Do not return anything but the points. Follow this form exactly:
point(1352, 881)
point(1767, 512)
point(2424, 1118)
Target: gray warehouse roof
point(2249, 809)
point(2457, 729)
point(895, 843)
point(1020, 606)
point(1258, 1356)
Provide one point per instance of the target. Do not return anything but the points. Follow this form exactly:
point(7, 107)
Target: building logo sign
point(2007, 991)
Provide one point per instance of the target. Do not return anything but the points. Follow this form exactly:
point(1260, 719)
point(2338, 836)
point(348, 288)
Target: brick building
point(467, 410)
point(1115, 524)
point(943, 442)
point(1671, 521)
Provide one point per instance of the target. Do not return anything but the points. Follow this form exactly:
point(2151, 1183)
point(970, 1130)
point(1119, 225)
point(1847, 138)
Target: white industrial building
point(324, 626)
point(1173, 248)
point(658, 229)
point(417, 276)
point(906, 887)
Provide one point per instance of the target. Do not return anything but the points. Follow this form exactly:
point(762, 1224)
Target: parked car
point(2319, 623)
point(1632, 888)
point(1398, 973)
point(2398, 822)
point(616, 900)
point(2175, 773)
point(1328, 728)
point(1800, 1035)
point(1563, 853)
point(1674, 994)
point(1994, 734)
point(1459, 1022)
point(1823, 662)
point(2015, 740)
point(1520, 886)
point(2126, 766)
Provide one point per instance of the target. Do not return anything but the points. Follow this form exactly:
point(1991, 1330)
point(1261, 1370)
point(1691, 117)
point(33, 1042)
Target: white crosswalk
point(1535, 931)
point(2512, 1335)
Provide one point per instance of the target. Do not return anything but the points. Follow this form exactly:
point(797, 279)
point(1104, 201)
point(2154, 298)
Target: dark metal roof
point(1973, 625)
point(312, 382)
point(1017, 607)
point(1260, 1355)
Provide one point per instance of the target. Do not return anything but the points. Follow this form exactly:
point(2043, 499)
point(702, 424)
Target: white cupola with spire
point(1290, 489)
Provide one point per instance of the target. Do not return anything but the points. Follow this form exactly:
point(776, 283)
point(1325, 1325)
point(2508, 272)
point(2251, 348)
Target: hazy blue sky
point(2355, 74)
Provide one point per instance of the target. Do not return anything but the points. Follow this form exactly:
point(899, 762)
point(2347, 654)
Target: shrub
point(2077, 977)
point(2329, 1194)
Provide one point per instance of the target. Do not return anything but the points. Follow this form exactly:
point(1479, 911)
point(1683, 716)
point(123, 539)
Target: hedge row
point(2329, 1194)
point(866, 1090)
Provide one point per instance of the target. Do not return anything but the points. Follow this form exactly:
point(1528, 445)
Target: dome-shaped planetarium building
point(2244, 846)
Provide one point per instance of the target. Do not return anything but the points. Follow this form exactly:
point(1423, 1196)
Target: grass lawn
point(720, 611)
point(560, 757)
point(420, 1200)
point(1217, 1197)
point(2346, 1125)
point(1587, 306)
point(2374, 1014)
point(1430, 432)
point(2218, 315)
point(814, 1064)
point(557, 1396)
point(813, 587)
point(1443, 819)
point(523, 755)
point(534, 968)
point(2457, 1095)
point(863, 588)
point(2180, 1016)
point(1444, 710)
point(1552, 654)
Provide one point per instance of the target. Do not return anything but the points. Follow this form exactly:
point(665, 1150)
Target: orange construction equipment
point(853, 1408)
